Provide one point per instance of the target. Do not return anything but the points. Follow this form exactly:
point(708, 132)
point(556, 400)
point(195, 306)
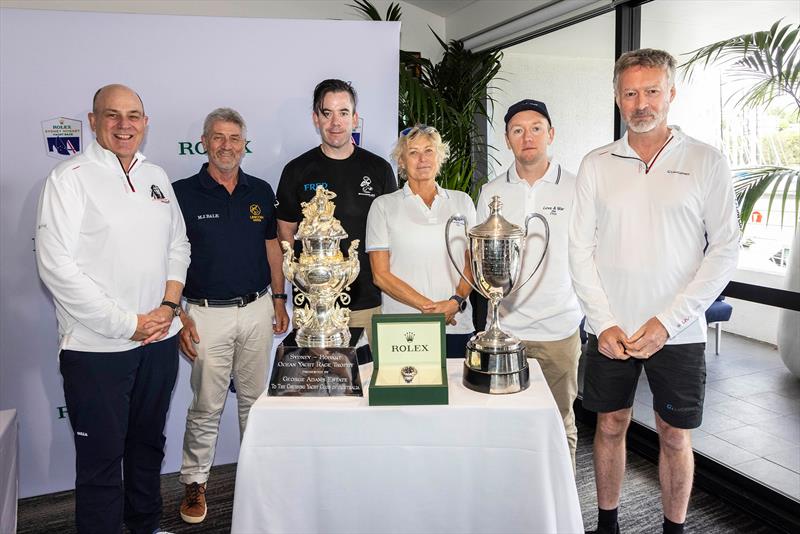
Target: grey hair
point(224, 115)
point(645, 57)
point(442, 148)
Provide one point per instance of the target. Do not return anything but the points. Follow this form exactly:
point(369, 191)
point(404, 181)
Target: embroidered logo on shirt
point(208, 216)
point(553, 209)
point(255, 213)
point(366, 187)
point(156, 194)
point(678, 172)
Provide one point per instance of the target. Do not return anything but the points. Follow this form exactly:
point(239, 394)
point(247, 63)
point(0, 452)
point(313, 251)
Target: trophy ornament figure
point(321, 275)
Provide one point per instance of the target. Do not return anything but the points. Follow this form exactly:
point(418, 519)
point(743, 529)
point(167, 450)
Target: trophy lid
point(496, 226)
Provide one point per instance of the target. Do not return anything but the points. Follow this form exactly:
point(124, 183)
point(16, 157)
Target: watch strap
point(461, 301)
point(176, 308)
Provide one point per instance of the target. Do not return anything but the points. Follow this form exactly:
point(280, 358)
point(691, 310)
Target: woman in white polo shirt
point(406, 244)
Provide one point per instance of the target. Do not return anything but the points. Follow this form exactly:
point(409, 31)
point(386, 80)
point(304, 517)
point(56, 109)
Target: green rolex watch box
point(409, 362)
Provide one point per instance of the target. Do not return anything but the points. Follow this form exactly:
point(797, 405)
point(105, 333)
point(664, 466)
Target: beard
point(646, 122)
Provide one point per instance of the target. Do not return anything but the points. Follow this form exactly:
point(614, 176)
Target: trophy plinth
point(495, 362)
point(322, 275)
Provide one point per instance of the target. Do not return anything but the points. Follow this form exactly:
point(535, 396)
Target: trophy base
point(496, 373)
point(333, 338)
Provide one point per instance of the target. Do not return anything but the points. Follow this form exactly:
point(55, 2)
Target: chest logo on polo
point(156, 194)
point(678, 172)
point(255, 213)
point(366, 187)
point(554, 210)
point(203, 216)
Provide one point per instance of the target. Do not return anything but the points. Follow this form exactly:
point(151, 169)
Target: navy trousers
point(117, 404)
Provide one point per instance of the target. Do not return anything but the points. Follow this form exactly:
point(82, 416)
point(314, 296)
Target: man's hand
point(188, 337)
point(611, 343)
point(647, 340)
point(151, 326)
point(281, 321)
point(448, 307)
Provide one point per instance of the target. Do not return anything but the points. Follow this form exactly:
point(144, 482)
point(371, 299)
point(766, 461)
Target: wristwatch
point(461, 301)
point(176, 308)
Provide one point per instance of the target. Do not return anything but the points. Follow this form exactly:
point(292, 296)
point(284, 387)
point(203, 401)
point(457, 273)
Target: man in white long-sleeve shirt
point(653, 241)
point(111, 247)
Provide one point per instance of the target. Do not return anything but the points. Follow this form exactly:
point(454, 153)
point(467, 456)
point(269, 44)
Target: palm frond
point(750, 184)
point(771, 58)
point(366, 9)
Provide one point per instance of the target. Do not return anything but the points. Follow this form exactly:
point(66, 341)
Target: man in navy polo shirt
point(230, 316)
point(357, 176)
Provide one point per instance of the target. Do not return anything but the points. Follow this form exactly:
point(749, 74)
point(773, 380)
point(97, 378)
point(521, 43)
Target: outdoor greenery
point(449, 95)
point(770, 61)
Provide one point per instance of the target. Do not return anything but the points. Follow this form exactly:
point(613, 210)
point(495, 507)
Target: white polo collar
point(552, 174)
point(440, 191)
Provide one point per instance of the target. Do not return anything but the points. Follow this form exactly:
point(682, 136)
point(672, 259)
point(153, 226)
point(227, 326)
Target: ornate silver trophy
point(322, 275)
point(495, 361)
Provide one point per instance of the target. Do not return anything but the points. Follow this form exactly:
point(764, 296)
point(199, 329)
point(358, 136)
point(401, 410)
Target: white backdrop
point(183, 67)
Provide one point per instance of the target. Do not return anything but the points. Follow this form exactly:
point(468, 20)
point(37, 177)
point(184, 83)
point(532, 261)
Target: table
point(9, 474)
point(482, 464)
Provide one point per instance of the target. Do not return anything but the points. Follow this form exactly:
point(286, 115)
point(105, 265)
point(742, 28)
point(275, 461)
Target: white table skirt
point(483, 464)
point(9, 473)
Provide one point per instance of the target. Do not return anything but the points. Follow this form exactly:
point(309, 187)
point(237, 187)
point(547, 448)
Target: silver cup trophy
point(495, 361)
point(322, 275)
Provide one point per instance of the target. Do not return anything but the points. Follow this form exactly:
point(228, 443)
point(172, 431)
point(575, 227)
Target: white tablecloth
point(483, 464)
point(9, 476)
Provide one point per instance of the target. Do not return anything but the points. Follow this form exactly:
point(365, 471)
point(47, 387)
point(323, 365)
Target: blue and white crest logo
point(357, 131)
point(62, 137)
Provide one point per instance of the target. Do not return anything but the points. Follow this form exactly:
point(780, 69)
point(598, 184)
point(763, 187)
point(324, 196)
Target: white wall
point(750, 319)
point(414, 34)
point(574, 82)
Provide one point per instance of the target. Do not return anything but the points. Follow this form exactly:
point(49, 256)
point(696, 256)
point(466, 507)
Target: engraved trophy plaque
point(322, 275)
point(495, 362)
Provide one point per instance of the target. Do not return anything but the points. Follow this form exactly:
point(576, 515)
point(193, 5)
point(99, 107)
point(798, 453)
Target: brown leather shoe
point(193, 505)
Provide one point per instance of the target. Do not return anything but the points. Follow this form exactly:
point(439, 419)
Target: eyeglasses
point(424, 128)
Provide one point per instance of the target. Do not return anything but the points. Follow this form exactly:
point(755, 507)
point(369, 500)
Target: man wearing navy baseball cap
point(544, 313)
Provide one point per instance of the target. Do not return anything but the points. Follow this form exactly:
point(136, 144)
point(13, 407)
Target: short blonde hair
point(442, 148)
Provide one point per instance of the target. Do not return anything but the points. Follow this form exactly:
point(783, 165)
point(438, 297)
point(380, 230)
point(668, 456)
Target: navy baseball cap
point(528, 105)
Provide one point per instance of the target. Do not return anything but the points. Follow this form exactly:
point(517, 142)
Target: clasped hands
point(448, 307)
point(646, 341)
point(154, 325)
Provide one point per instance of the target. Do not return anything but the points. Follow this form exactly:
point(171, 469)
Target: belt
point(241, 302)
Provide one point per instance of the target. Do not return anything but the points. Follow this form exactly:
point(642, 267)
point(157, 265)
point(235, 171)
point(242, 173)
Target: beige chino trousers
point(233, 342)
point(559, 363)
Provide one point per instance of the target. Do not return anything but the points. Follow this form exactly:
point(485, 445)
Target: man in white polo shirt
point(653, 241)
point(544, 313)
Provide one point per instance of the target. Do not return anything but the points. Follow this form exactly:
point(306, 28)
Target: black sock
point(672, 528)
point(607, 518)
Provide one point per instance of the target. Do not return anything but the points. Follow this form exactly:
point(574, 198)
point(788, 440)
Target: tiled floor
point(751, 420)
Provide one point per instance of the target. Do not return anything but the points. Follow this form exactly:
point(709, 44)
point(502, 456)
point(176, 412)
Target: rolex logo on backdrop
point(195, 148)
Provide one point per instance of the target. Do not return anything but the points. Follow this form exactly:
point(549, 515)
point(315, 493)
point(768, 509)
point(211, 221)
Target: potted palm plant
point(771, 61)
point(449, 95)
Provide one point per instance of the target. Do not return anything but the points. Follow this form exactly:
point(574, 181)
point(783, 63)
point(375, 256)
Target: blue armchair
point(718, 312)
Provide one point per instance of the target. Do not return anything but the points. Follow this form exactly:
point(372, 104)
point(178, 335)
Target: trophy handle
point(460, 219)
point(544, 252)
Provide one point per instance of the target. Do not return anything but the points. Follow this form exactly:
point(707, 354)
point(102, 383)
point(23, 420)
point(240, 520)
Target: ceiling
point(443, 8)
